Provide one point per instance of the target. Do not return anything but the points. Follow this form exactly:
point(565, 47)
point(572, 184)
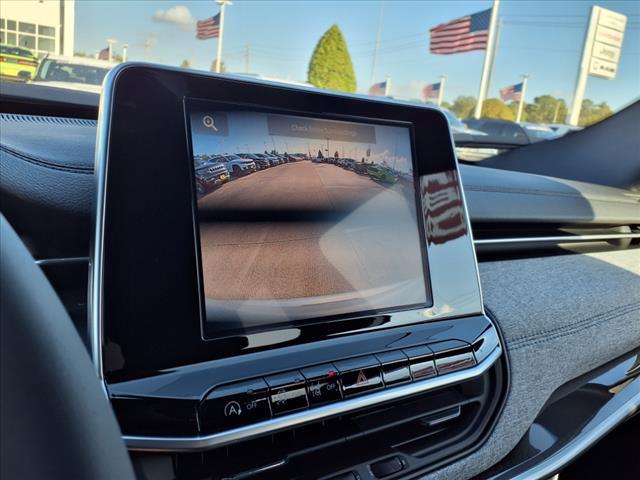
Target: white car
point(74, 73)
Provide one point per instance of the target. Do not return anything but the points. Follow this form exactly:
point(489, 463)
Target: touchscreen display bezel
point(209, 332)
point(145, 301)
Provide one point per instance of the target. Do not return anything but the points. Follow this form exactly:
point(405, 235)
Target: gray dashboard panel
point(561, 317)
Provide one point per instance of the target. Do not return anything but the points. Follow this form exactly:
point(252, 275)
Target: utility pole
point(525, 79)
point(247, 54)
point(555, 114)
point(222, 3)
point(377, 44)
point(488, 59)
point(125, 49)
point(111, 42)
point(443, 80)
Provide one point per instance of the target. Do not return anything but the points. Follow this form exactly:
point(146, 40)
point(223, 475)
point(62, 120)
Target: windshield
point(566, 63)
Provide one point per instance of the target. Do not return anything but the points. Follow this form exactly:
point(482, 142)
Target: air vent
point(419, 433)
point(17, 118)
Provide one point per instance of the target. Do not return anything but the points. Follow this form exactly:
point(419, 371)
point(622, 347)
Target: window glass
point(27, 41)
point(1, 22)
point(46, 44)
point(27, 27)
point(11, 39)
point(11, 24)
point(48, 31)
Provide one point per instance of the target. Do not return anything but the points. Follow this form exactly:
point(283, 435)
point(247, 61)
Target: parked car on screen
point(209, 176)
point(361, 168)
point(237, 166)
point(17, 63)
point(348, 163)
point(261, 163)
point(382, 174)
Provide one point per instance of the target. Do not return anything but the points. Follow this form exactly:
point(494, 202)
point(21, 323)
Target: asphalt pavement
point(305, 230)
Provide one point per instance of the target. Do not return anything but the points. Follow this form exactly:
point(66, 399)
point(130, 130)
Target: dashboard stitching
point(45, 163)
point(592, 323)
point(571, 325)
point(540, 193)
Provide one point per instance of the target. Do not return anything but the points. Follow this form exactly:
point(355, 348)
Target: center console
point(283, 281)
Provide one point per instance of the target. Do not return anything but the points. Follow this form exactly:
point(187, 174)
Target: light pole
point(222, 4)
point(111, 42)
point(443, 80)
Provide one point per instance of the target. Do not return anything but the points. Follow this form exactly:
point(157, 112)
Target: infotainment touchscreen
point(303, 218)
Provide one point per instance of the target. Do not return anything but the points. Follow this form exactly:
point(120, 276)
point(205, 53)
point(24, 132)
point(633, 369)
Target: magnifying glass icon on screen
point(207, 121)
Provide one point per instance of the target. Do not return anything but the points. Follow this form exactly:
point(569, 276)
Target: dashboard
point(288, 283)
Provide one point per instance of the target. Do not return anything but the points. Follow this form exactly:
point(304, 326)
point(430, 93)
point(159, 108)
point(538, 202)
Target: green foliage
point(463, 106)
point(185, 64)
point(223, 69)
point(446, 105)
point(592, 113)
point(546, 109)
point(496, 108)
point(330, 66)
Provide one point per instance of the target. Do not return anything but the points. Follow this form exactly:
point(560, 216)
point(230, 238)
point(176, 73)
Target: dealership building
point(42, 26)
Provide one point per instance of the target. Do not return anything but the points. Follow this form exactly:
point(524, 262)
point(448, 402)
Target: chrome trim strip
point(621, 407)
point(45, 262)
point(556, 239)
point(197, 443)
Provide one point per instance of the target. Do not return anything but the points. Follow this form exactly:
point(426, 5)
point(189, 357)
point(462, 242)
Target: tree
point(222, 67)
point(330, 66)
point(185, 64)
point(545, 109)
point(593, 113)
point(446, 105)
point(463, 106)
point(496, 108)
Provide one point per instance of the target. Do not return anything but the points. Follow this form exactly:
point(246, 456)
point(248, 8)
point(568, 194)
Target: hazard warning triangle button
point(363, 378)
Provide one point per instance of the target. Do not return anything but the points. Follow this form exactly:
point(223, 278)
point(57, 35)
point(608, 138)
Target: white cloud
point(178, 15)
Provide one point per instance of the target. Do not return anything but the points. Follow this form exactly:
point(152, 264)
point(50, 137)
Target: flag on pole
point(378, 89)
point(431, 91)
point(461, 35)
point(209, 28)
point(512, 92)
point(104, 54)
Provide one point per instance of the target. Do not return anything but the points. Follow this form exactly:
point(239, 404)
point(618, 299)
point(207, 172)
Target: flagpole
point(488, 59)
point(387, 86)
point(525, 79)
point(443, 79)
point(222, 4)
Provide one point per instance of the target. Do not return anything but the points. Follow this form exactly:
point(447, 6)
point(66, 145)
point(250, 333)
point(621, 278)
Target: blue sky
point(540, 38)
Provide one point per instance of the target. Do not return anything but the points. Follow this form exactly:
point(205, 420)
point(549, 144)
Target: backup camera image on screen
point(303, 218)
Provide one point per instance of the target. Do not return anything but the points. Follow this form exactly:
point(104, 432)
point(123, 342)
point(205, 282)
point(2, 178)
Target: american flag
point(512, 92)
point(378, 89)
point(104, 54)
point(431, 91)
point(461, 35)
point(209, 28)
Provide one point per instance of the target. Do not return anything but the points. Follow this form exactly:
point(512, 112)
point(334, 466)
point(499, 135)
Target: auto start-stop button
point(235, 405)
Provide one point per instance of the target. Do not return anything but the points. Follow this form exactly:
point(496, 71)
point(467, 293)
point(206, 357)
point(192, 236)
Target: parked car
point(76, 73)
point(209, 175)
point(348, 163)
point(361, 168)
point(17, 63)
point(382, 174)
point(500, 131)
point(537, 133)
point(261, 163)
point(237, 166)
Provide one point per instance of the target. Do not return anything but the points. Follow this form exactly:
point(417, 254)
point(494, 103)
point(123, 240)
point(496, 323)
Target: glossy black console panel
point(146, 307)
